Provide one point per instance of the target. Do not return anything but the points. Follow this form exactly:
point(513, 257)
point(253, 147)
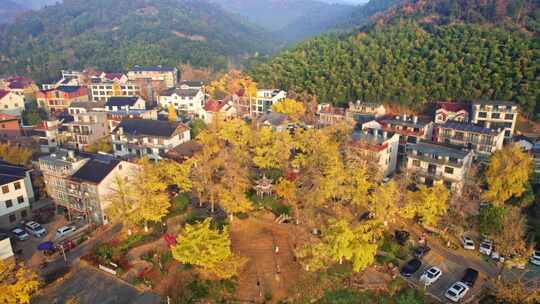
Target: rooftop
point(438, 150)
point(121, 101)
point(453, 106)
point(88, 105)
point(184, 151)
point(180, 92)
point(468, 128)
point(3, 93)
point(96, 169)
point(149, 127)
point(6, 117)
point(494, 102)
point(10, 172)
point(274, 119)
point(157, 68)
point(192, 83)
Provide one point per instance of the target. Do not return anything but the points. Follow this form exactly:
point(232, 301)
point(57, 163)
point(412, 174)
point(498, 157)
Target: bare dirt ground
point(267, 272)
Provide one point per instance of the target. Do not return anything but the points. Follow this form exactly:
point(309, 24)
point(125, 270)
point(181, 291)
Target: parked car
point(456, 292)
point(421, 251)
point(535, 258)
point(410, 268)
point(470, 277)
point(64, 230)
point(430, 276)
point(20, 234)
point(486, 247)
point(402, 237)
point(496, 256)
point(35, 229)
point(467, 243)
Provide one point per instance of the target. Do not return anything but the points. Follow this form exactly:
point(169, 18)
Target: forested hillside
point(114, 35)
point(418, 53)
point(36, 4)
point(9, 10)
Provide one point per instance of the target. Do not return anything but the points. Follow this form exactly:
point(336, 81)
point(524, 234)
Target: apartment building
point(86, 129)
point(189, 100)
point(264, 101)
point(22, 86)
point(360, 109)
point(16, 194)
point(11, 103)
point(105, 85)
point(151, 138)
point(480, 139)
point(328, 115)
point(495, 115)
point(452, 111)
point(60, 98)
point(115, 117)
point(125, 103)
point(430, 163)
point(46, 135)
point(376, 147)
point(89, 189)
point(191, 84)
point(168, 75)
point(10, 127)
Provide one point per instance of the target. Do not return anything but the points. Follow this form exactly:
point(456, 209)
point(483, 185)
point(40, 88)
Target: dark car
point(470, 277)
point(402, 237)
point(421, 251)
point(411, 267)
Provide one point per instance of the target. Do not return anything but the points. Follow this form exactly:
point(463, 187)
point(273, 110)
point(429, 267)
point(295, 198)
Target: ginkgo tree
point(18, 283)
point(207, 248)
point(429, 204)
point(290, 107)
point(271, 150)
point(384, 201)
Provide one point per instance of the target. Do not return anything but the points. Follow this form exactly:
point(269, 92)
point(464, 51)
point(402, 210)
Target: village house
point(115, 117)
point(47, 135)
point(125, 103)
point(495, 115)
point(60, 98)
point(184, 151)
point(376, 147)
point(480, 139)
point(86, 129)
point(10, 127)
point(430, 163)
point(105, 85)
point(150, 138)
point(188, 100)
point(16, 194)
point(22, 86)
point(85, 107)
point(329, 115)
point(191, 85)
point(451, 111)
point(277, 121)
point(357, 111)
point(167, 75)
point(218, 109)
point(265, 100)
point(11, 103)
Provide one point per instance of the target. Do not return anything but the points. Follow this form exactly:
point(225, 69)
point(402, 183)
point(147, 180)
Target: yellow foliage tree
point(507, 174)
point(15, 155)
point(18, 283)
point(384, 201)
point(172, 113)
point(294, 109)
point(207, 248)
point(356, 186)
point(232, 83)
point(102, 145)
point(427, 203)
point(288, 191)
point(122, 205)
point(271, 150)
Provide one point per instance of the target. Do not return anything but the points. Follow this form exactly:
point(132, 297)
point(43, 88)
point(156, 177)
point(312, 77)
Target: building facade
point(60, 98)
point(359, 109)
point(105, 85)
point(481, 140)
point(264, 101)
point(451, 111)
point(168, 75)
point(495, 115)
point(86, 129)
point(11, 103)
point(214, 109)
point(189, 100)
point(376, 147)
point(10, 127)
point(16, 194)
point(125, 103)
point(430, 163)
point(150, 138)
point(329, 115)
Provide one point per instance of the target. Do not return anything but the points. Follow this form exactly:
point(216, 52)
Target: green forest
point(403, 59)
point(115, 35)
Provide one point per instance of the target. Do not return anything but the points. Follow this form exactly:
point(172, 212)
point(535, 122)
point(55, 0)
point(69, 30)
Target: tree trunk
point(130, 232)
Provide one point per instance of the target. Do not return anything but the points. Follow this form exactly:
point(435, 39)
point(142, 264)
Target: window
point(20, 200)
point(24, 213)
point(482, 114)
point(449, 170)
point(5, 189)
point(9, 204)
point(416, 163)
point(12, 218)
point(17, 185)
point(509, 116)
point(495, 115)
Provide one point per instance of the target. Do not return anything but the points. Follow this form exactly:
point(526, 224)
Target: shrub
point(104, 252)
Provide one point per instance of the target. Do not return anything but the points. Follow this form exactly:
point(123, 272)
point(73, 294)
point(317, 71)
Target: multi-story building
point(360, 109)
point(10, 127)
point(60, 98)
point(85, 106)
point(115, 117)
point(150, 138)
point(190, 101)
point(430, 163)
point(168, 75)
point(495, 115)
point(11, 103)
point(46, 134)
point(191, 84)
point(409, 129)
point(89, 189)
point(480, 139)
point(21, 86)
point(451, 111)
point(105, 85)
point(86, 129)
point(329, 115)
point(264, 101)
point(125, 103)
point(16, 194)
point(376, 147)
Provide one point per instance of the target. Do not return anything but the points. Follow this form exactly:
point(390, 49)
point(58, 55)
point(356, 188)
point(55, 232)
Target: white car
point(496, 256)
point(467, 243)
point(430, 276)
point(456, 292)
point(35, 229)
point(535, 258)
point(486, 247)
point(63, 231)
point(20, 234)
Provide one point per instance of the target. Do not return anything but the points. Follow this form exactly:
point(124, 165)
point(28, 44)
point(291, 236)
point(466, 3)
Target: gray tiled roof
point(468, 128)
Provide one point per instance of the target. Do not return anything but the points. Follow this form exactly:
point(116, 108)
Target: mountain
point(291, 20)
point(9, 10)
point(421, 51)
point(115, 35)
point(36, 4)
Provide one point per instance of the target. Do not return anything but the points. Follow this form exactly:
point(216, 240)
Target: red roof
point(3, 93)
point(112, 76)
point(214, 106)
point(453, 106)
point(8, 117)
point(333, 110)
